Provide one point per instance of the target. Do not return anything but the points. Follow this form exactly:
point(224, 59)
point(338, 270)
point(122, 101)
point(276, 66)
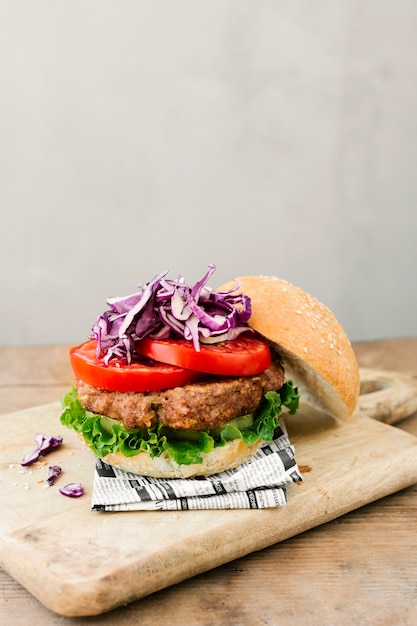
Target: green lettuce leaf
point(105, 435)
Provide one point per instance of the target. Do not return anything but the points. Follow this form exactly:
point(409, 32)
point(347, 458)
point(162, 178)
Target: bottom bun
point(222, 458)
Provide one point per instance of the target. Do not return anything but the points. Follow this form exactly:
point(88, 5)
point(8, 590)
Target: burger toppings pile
point(166, 308)
point(175, 369)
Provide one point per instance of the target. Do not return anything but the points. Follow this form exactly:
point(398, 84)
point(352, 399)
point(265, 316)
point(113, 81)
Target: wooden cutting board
point(80, 562)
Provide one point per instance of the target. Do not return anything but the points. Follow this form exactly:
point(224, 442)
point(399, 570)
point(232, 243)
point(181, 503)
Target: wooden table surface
point(360, 569)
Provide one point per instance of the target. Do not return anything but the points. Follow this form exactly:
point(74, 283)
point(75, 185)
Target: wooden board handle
point(386, 396)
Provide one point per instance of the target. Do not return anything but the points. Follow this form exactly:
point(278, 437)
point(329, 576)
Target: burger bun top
point(315, 350)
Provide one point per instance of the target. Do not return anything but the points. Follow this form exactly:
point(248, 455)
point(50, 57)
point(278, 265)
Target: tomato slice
point(245, 356)
point(142, 375)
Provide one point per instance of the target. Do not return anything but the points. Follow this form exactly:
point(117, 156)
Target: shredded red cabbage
point(72, 490)
point(53, 472)
point(46, 443)
point(166, 308)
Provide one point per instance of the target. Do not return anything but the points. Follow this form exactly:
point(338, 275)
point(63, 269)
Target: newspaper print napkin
point(257, 484)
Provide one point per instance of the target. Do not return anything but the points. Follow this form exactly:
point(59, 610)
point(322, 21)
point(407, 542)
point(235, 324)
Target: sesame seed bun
point(315, 349)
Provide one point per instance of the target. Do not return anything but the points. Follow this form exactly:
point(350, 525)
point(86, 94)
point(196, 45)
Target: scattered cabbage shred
point(45, 444)
point(72, 490)
point(166, 308)
point(53, 472)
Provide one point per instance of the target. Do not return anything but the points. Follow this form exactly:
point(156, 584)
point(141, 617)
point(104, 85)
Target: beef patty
point(198, 406)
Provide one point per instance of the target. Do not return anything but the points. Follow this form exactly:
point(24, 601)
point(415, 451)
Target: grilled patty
point(198, 406)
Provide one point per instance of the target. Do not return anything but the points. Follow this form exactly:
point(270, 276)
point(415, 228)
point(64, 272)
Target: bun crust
point(315, 349)
point(232, 454)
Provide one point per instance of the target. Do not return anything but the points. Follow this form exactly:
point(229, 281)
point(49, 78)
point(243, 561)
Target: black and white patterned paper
point(258, 483)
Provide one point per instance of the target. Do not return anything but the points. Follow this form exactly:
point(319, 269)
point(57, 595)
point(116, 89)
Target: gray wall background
point(267, 137)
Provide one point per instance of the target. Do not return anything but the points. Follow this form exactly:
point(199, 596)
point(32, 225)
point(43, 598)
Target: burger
point(178, 381)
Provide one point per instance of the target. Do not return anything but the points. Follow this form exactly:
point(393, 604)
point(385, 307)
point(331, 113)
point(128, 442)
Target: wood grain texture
point(61, 554)
point(386, 396)
point(358, 569)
